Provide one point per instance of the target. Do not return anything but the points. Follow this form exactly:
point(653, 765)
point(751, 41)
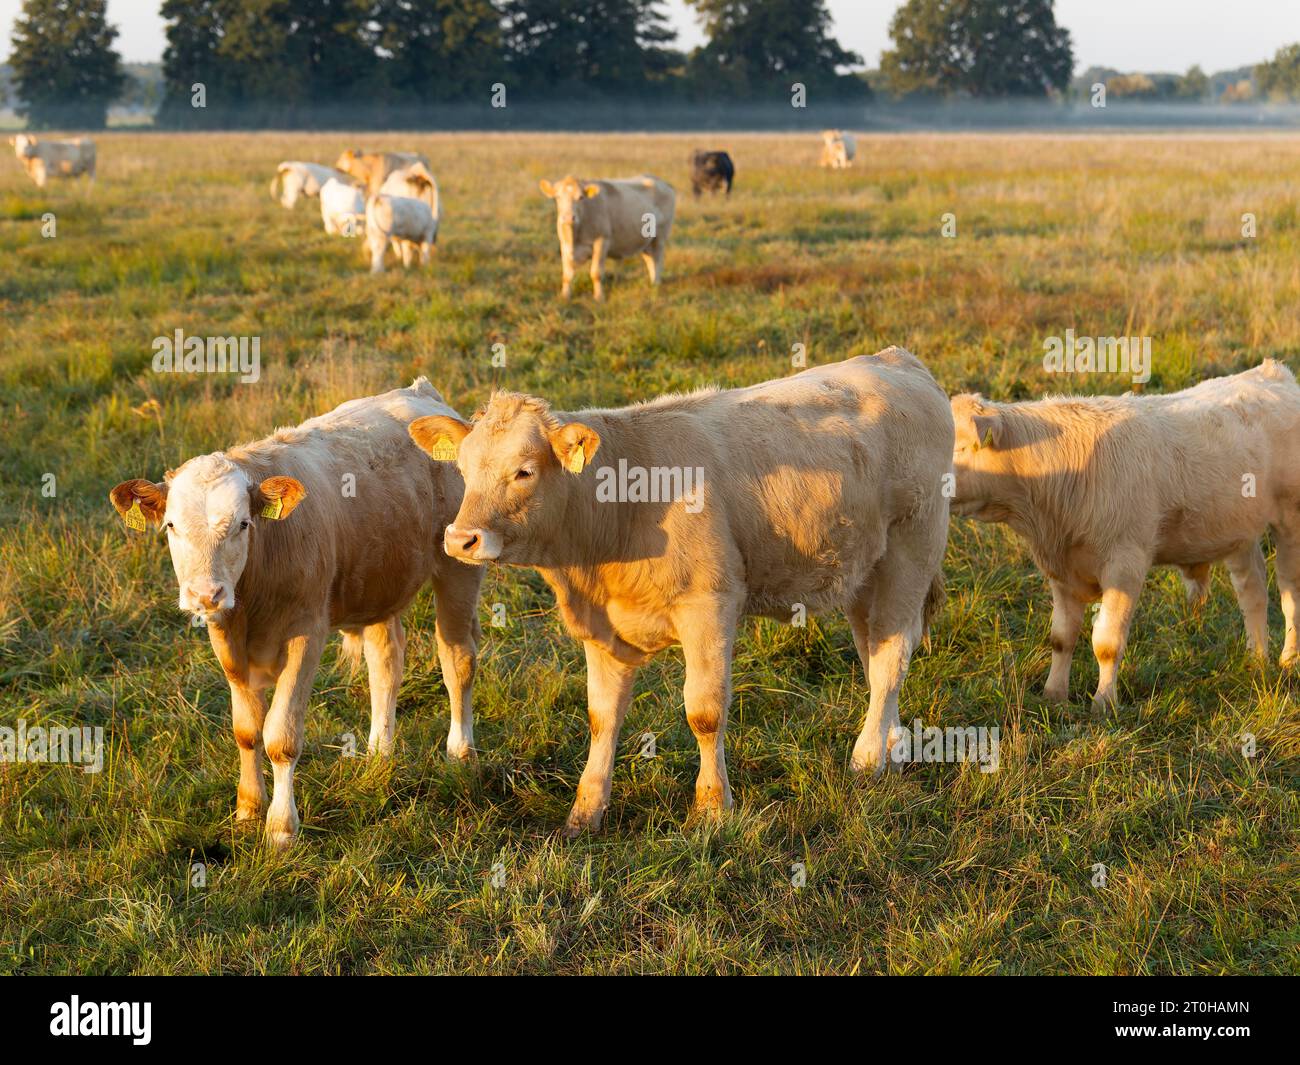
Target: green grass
point(942, 869)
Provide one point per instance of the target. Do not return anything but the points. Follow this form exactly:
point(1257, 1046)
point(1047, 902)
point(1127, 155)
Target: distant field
point(941, 869)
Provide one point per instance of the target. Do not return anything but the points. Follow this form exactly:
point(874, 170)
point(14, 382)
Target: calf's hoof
point(1056, 695)
point(580, 821)
point(280, 840)
point(461, 752)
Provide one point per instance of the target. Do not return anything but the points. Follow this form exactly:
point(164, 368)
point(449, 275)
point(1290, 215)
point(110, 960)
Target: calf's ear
point(574, 445)
point(438, 436)
point(276, 497)
point(139, 501)
point(988, 430)
point(547, 188)
point(591, 191)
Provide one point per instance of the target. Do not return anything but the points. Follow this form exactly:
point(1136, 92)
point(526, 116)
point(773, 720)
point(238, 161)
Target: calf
point(822, 491)
point(45, 159)
point(294, 180)
point(1103, 488)
point(838, 149)
point(342, 208)
point(372, 168)
point(618, 219)
point(414, 182)
point(409, 225)
point(333, 525)
point(711, 171)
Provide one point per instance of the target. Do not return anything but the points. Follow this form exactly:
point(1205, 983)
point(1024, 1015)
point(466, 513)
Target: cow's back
point(627, 202)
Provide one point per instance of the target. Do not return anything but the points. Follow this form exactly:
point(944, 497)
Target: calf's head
point(571, 198)
point(210, 510)
point(24, 145)
point(519, 464)
point(978, 462)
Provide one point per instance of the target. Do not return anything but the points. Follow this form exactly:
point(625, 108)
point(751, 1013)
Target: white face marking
point(208, 524)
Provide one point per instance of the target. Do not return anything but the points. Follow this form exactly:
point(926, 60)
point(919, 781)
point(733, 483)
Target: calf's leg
point(248, 712)
point(1067, 620)
point(385, 650)
point(457, 631)
point(707, 640)
point(1250, 581)
point(1121, 583)
point(609, 691)
point(598, 268)
point(1287, 564)
point(283, 733)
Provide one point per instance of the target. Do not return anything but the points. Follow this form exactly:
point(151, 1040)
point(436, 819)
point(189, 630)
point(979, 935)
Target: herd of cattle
point(827, 490)
point(391, 198)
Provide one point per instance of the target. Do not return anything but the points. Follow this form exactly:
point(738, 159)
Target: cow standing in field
point(46, 159)
point(1103, 488)
point(711, 171)
point(294, 180)
point(373, 168)
point(409, 225)
point(838, 149)
point(668, 521)
point(335, 524)
point(611, 219)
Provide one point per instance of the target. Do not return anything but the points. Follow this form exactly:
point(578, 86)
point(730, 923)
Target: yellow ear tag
point(274, 508)
point(443, 449)
point(134, 517)
point(576, 461)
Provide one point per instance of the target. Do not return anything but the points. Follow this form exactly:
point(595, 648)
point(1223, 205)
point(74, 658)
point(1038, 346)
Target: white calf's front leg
point(385, 650)
point(1067, 620)
point(248, 712)
point(457, 631)
point(1250, 581)
point(1121, 585)
point(609, 691)
point(283, 733)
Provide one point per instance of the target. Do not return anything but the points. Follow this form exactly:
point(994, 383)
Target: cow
point(295, 179)
point(1103, 488)
point(408, 224)
point(372, 168)
point(616, 219)
point(711, 171)
point(838, 149)
point(335, 524)
point(342, 208)
point(668, 521)
point(46, 159)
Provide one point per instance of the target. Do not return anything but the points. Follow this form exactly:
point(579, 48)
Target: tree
point(65, 69)
point(1279, 78)
point(613, 47)
point(757, 43)
point(1193, 85)
point(978, 48)
point(442, 50)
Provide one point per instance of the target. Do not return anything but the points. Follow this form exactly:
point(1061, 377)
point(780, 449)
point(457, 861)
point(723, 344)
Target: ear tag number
point(443, 449)
point(134, 517)
point(274, 508)
point(576, 461)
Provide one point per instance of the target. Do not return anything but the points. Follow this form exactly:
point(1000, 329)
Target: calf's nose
point(212, 597)
point(461, 542)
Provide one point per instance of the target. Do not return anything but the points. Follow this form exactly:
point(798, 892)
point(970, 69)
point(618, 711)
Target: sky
point(1150, 35)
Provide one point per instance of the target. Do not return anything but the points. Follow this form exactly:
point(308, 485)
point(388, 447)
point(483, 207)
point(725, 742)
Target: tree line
point(415, 62)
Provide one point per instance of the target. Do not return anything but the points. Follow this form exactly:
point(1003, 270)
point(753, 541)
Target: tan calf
point(46, 159)
point(597, 220)
point(1102, 489)
point(669, 521)
point(333, 525)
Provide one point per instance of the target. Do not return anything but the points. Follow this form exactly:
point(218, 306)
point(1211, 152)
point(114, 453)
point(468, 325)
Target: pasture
point(420, 866)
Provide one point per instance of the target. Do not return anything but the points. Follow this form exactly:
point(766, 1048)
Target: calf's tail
point(934, 600)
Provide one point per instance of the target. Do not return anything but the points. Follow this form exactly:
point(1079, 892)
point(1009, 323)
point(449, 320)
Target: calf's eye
point(523, 475)
point(243, 525)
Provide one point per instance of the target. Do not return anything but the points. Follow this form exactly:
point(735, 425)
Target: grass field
point(942, 869)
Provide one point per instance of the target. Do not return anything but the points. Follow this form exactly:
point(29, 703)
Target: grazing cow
point(1104, 488)
point(668, 521)
point(838, 149)
point(373, 168)
point(711, 171)
point(335, 524)
point(46, 159)
point(294, 180)
point(342, 208)
point(615, 219)
point(408, 224)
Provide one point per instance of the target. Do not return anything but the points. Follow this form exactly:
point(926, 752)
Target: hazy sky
point(1168, 35)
